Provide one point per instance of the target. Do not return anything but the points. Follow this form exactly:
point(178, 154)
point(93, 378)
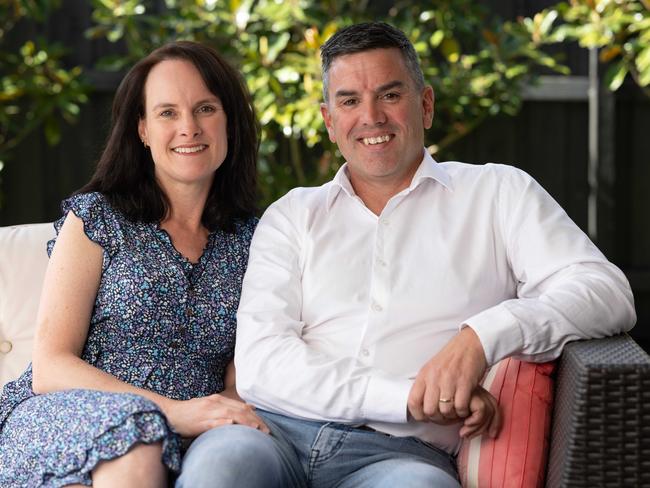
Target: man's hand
point(485, 415)
point(444, 385)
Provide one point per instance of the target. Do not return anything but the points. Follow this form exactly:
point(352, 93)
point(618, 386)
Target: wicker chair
point(601, 421)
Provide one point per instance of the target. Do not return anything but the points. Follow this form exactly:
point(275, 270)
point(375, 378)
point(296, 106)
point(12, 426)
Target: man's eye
point(349, 102)
point(391, 96)
point(166, 113)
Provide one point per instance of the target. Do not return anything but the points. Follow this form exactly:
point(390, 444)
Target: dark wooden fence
point(548, 138)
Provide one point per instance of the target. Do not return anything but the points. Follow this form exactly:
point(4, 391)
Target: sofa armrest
point(600, 433)
point(23, 260)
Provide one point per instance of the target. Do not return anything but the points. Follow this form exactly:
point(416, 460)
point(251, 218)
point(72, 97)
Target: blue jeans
point(301, 454)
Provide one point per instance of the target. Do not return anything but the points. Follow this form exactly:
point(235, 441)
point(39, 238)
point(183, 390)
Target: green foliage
point(619, 28)
point(35, 90)
point(476, 63)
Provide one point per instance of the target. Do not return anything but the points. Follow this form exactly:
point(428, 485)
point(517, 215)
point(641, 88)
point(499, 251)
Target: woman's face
point(184, 124)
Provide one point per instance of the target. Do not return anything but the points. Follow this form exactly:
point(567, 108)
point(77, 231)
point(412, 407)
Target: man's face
point(377, 116)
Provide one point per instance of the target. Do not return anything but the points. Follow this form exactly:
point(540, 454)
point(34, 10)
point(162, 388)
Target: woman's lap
point(58, 438)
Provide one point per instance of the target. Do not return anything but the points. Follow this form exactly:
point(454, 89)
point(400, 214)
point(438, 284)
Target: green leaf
point(277, 46)
point(451, 49)
point(615, 75)
point(643, 60)
point(436, 38)
point(547, 22)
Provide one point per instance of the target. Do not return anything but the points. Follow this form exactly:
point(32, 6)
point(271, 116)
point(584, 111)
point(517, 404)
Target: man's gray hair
point(364, 37)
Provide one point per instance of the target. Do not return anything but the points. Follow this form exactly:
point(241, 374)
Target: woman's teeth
point(188, 150)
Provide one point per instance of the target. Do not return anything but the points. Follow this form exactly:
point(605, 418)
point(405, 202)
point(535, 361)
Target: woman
point(137, 317)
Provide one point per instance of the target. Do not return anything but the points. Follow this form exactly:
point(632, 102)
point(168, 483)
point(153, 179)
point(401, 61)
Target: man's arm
point(276, 368)
point(567, 291)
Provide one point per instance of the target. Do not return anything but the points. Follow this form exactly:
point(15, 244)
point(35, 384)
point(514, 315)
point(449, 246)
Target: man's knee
point(231, 456)
point(402, 473)
point(418, 474)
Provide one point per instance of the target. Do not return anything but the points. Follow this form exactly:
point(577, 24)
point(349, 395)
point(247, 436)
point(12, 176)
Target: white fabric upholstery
point(23, 259)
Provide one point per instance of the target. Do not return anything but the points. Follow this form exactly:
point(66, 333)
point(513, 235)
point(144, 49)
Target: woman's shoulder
point(91, 203)
point(102, 223)
point(244, 227)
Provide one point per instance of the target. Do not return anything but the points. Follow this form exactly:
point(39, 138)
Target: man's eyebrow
point(390, 86)
point(345, 93)
point(385, 87)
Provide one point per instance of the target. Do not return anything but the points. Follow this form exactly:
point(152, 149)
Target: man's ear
point(327, 118)
point(428, 100)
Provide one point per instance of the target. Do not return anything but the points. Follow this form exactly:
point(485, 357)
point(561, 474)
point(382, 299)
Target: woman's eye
point(206, 109)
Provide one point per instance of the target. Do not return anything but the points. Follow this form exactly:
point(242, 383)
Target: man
point(373, 304)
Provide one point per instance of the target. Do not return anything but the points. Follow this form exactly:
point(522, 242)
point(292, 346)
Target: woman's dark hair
point(125, 171)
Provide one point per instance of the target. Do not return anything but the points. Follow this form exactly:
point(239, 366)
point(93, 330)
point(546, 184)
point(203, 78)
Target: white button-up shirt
point(341, 308)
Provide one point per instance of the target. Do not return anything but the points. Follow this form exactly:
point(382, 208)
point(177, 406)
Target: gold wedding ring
point(446, 400)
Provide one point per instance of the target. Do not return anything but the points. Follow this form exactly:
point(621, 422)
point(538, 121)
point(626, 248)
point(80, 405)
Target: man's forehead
point(391, 85)
point(368, 54)
point(377, 68)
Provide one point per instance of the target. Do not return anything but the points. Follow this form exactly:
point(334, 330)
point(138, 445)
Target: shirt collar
point(428, 169)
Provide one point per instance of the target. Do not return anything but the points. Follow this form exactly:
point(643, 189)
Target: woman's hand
point(190, 418)
point(485, 415)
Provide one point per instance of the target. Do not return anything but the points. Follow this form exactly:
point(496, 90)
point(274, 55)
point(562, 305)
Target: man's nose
point(372, 113)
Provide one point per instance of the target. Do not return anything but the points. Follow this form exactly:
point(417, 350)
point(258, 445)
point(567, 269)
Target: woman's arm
point(229, 389)
point(69, 291)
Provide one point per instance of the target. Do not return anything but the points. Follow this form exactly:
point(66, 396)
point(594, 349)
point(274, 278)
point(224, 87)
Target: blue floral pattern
point(159, 322)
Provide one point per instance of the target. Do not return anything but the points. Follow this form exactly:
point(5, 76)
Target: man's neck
point(376, 194)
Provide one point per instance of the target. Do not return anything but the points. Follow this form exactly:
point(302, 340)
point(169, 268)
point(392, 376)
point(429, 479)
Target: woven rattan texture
point(601, 420)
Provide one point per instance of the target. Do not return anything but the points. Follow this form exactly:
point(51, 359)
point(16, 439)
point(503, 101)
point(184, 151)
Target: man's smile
point(372, 141)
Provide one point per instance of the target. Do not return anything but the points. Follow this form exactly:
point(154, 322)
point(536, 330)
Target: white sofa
point(23, 259)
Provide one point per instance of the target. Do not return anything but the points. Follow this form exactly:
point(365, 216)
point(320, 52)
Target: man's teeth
point(187, 150)
point(375, 140)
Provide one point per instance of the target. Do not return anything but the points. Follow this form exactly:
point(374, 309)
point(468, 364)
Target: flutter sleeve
point(102, 224)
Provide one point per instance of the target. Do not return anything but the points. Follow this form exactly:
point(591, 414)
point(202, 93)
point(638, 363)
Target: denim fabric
point(302, 453)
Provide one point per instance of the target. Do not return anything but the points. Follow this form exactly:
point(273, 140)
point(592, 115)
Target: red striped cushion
point(517, 458)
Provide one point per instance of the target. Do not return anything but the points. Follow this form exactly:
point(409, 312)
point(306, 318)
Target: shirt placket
point(378, 302)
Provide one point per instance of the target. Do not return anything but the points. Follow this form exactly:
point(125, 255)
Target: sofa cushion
point(517, 457)
point(23, 259)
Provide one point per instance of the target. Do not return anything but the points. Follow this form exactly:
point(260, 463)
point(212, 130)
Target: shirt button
point(6, 347)
point(381, 262)
point(376, 307)
point(365, 352)
point(385, 222)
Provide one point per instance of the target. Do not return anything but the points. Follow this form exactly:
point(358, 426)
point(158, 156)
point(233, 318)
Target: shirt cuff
point(498, 331)
point(386, 400)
